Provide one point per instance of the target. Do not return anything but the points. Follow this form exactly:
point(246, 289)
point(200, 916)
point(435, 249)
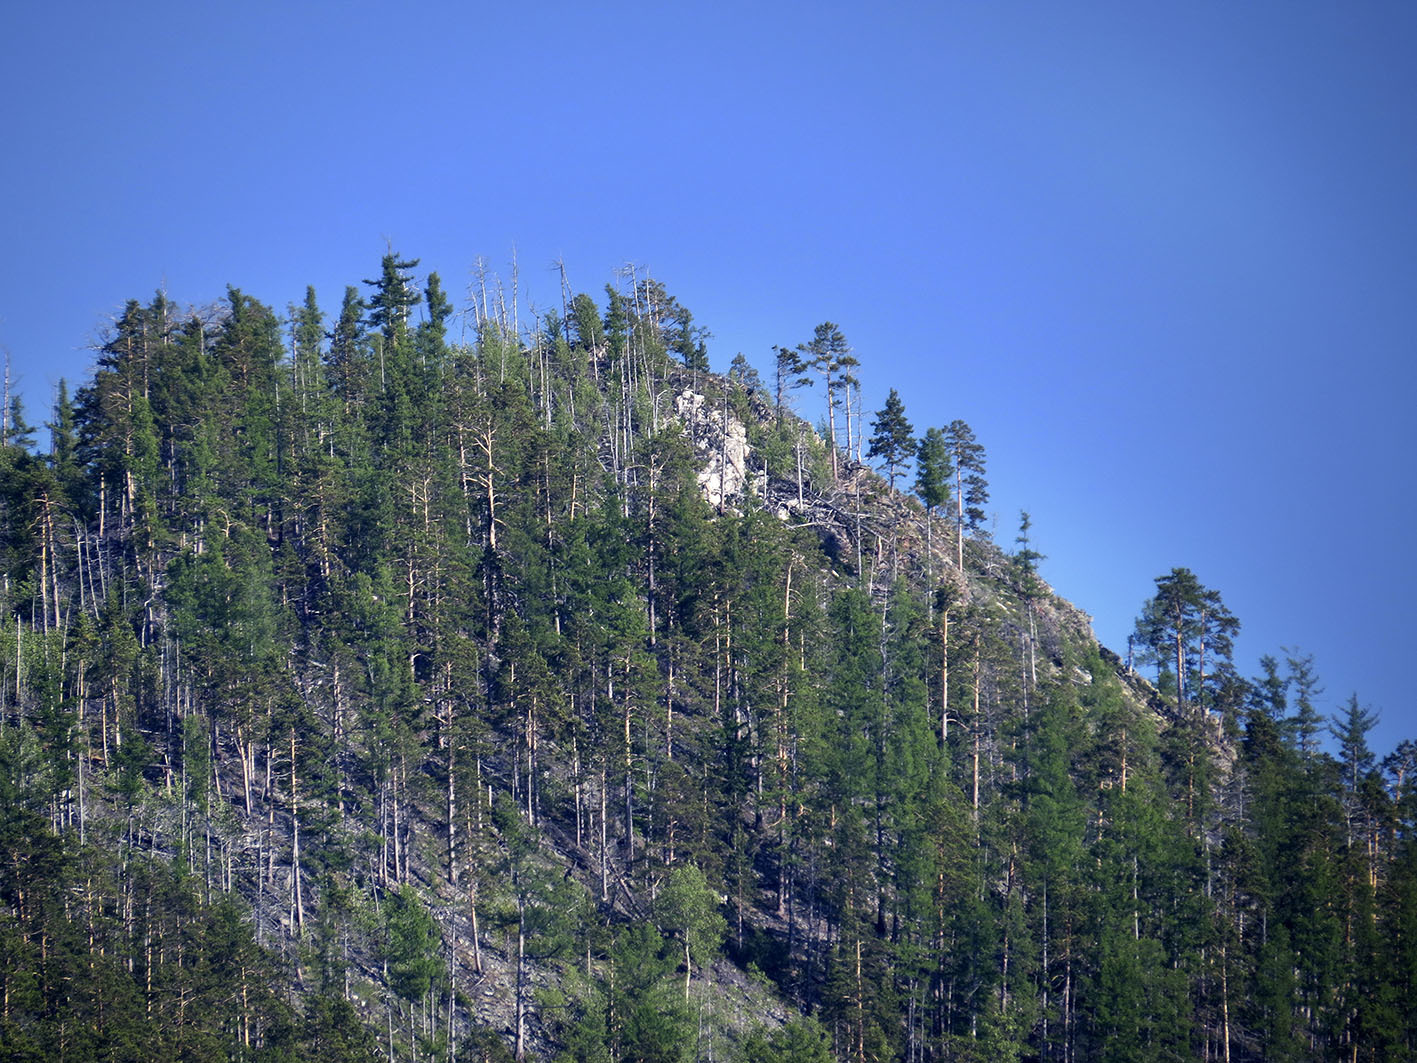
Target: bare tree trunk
point(297, 898)
point(578, 786)
point(521, 980)
point(944, 676)
point(1224, 1004)
point(604, 840)
point(976, 729)
point(476, 933)
point(452, 796)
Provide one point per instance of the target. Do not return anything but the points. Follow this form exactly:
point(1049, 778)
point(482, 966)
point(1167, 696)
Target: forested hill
point(374, 686)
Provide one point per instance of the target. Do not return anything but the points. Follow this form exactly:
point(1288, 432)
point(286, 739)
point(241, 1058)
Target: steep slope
point(553, 695)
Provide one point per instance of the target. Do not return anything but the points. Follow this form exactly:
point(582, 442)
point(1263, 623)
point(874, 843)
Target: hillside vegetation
point(390, 683)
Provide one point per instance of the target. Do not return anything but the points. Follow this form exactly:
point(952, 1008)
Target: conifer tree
point(348, 354)
point(307, 335)
point(1186, 625)
point(432, 334)
point(933, 473)
point(966, 456)
point(1350, 729)
point(586, 328)
point(829, 355)
point(893, 439)
point(689, 342)
point(394, 298)
point(742, 373)
point(1306, 721)
point(386, 669)
point(789, 373)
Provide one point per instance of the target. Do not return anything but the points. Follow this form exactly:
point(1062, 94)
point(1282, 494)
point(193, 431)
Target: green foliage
point(1026, 559)
point(828, 355)
point(130, 967)
point(586, 326)
point(633, 1011)
point(966, 455)
point(1187, 628)
point(800, 1040)
point(411, 944)
point(688, 909)
point(742, 373)
point(933, 469)
point(394, 298)
point(893, 439)
point(331, 1032)
point(357, 641)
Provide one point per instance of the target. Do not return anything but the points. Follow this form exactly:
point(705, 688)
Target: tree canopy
point(371, 687)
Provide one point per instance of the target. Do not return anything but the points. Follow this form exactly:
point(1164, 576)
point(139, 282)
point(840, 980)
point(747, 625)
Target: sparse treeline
point(394, 652)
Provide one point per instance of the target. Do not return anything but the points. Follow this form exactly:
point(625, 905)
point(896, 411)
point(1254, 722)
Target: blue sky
point(1163, 258)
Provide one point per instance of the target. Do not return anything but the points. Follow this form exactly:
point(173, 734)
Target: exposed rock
point(721, 441)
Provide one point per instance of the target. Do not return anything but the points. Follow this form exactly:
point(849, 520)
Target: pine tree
point(689, 342)
point(431, 336)
point(307, 335)
point(1306, 722)
point(1350, 730)
point(1027, 558)
point(393, 299)
point(933, 473)
point(893, 439)
point(799, 1040)
point(742, 373)
point(348, 356)
point(587, 330)
point(789, 373)
point(1187, 625)
point(966, 455)
point(829, 355)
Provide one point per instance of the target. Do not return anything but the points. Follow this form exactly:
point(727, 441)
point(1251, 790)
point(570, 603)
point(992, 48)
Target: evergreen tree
point(411, 948)
point(1350, 730)
point(689, 342)
point(797, 1041)
point(966, 456)
point(307, 334)
point(1027, 558)
point(1187, 626)
point(432, 334)
point(933, 473)
point(587, 330)
point(386, 652)
point(394, 298)
point(789, 373)
point(18, 432)
point(893, 440)
point(1269, 689)
point(1306, 722)
point(742, 373)
point(348, 354)
point(829, 355)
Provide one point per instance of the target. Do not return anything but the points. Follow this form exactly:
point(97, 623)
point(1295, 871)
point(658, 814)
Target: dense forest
point(418, 682)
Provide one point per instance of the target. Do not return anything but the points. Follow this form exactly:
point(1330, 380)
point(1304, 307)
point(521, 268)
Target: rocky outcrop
point(721, 442)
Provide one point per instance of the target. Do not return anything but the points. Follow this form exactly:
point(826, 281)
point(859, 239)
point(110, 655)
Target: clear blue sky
point(1163, 258)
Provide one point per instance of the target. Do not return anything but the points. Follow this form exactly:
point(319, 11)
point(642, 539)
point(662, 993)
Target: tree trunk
point(944, 677)
point(521, 980)
point(297, 897)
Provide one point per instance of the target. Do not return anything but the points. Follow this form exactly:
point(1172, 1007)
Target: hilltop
point(367, 694)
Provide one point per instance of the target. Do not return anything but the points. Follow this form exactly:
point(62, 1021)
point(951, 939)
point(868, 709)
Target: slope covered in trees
point(366, 692)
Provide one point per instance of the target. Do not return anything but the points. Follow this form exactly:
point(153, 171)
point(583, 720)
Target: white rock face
point(721, 441)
